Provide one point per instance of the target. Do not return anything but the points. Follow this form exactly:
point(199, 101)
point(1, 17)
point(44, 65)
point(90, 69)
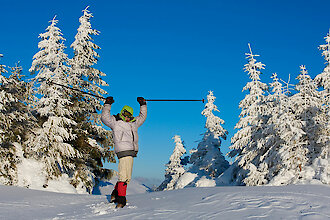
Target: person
point(124, 127)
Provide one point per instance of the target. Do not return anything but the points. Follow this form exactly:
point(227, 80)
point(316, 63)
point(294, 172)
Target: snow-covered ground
point(266, 202)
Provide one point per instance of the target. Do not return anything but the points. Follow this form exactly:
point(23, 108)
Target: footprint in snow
point(106, 208)
point(103, 208)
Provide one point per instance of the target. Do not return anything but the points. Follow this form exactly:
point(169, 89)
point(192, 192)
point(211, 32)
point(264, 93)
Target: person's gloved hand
point(141, 101)
point(109, 100)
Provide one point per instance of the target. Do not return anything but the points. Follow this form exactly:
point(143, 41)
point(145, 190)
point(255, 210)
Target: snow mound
point(31, 175)
point(205, 182)
point(185, 179)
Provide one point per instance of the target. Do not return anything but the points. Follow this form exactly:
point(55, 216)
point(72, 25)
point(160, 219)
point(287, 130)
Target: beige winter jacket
point(125, 134)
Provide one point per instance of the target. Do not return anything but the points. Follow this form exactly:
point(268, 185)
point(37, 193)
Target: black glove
point(109, 100)
point(141, 101)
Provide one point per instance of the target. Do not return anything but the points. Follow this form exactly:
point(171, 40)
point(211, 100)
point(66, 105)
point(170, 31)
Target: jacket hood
point(129, 109)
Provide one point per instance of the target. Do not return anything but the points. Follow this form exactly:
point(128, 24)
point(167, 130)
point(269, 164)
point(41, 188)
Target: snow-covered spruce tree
point(23, 120)
point(7, 150)
point(293, 150)
point(246, 144)
point(283, 167)
point(313, 114)
point(93, 141)
point(174, 168)
point(307, 107)
point(15, 122)
point(3, 96)
point(49, 142)
point(298, 131)
point(208, 157)
point(207, 160)
point(267, 167)
point(323, 81)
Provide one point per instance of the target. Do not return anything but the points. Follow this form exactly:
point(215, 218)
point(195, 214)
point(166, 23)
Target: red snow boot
point(121, 199)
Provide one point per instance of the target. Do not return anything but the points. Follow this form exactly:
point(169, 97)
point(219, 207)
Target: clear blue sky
point(176, 49)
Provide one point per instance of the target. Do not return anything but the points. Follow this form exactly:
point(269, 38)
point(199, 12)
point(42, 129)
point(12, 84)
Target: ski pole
point(175, 100)
point(87, 93)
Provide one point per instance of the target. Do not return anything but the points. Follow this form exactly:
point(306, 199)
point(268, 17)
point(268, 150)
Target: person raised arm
point(143, 111)
point(106, 116)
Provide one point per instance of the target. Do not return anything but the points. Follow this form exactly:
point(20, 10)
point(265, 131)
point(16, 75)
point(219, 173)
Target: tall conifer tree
point(323, 81)
point(307, 107)
point(246, 143)
point(267, 166)
point(7, 150)
point(174, 168)
point(93, 141)
point(50, 141)
point(207, 160)
point(15, 121)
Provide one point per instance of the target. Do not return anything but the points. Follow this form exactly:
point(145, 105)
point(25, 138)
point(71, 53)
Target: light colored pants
point(125, 168)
